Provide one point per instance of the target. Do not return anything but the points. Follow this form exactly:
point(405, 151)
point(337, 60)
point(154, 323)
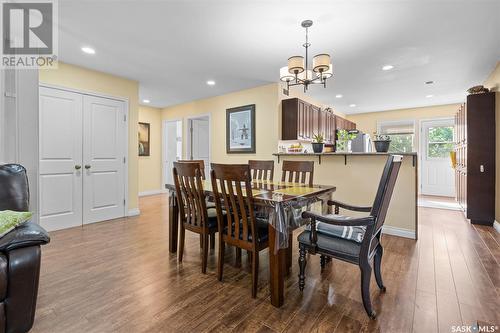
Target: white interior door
point(173, 148)
point(200, 141)
point(103, 159)
point(436, 172)
point(61, 171)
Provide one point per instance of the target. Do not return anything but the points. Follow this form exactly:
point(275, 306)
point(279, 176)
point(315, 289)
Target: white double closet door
point(82, 158)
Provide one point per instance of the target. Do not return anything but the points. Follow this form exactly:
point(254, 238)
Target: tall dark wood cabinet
point(475, 152)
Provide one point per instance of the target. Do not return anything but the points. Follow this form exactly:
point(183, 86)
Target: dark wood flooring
point(118, 276)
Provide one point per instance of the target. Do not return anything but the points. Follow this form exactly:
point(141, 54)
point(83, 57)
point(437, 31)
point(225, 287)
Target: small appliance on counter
point(361, 143)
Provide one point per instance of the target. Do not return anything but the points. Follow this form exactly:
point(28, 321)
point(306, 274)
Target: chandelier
point(297, 71)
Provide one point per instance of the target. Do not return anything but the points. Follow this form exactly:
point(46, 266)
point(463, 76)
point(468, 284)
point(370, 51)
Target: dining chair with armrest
point(352, 239)
point(232, 190)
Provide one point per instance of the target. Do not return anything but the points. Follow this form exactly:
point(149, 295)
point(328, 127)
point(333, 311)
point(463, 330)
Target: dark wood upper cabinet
point(301, 120)
point(475, 153)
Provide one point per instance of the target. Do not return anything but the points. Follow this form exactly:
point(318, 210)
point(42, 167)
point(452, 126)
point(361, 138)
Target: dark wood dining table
point(277, 197)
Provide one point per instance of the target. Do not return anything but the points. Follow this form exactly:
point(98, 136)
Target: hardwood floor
point(118, 276)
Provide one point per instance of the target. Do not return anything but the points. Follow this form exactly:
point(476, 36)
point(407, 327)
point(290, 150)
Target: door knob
point(78, 167)
point(87, 166)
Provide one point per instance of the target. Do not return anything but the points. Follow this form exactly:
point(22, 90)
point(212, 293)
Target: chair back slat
point(261, 170)
point(201, 164)
point(298, 172)
point(232, 190)
point(188, 182)
point(384, 192)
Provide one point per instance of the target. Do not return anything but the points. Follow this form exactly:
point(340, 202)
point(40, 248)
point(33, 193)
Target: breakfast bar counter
point(356, 177)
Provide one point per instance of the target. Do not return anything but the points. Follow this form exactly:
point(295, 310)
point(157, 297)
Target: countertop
point(344, 154)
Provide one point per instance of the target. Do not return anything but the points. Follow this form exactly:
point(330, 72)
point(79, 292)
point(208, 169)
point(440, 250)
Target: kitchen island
point(356, 177)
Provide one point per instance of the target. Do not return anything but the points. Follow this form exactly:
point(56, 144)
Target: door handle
point(78, 167)
point(87, 166)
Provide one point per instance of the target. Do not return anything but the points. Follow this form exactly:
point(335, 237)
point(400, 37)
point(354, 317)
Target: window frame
point(399, 122)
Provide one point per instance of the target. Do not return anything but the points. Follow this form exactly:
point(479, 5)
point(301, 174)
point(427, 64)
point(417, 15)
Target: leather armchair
point(19, 255)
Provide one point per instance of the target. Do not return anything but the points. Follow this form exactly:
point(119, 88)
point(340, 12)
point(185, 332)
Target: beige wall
point(367, 122)
point(150, 166)
point(71, 76)
point(266, 103)
point(493, 82)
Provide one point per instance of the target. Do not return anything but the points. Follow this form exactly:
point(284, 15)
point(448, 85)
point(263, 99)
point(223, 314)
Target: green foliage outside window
point(440, 142)
point(401, 143)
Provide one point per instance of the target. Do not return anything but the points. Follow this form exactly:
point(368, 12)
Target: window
point(440, 141)
point(402, 134)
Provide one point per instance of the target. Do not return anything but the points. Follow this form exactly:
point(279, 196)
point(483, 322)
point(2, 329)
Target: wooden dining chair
point(232, 190)
point(201, 165)
point(296, 172)
point(354, 240)
point(208, 202)
point(261, 170)
point(194, 214)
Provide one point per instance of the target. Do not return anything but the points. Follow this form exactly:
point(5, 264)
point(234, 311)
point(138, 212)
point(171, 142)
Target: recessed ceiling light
point(387, 67)
point(429, 82)
point(146, 101)
point(352, 105)
point(338, 96)
point(211, 82)
point(429, 96)
point(88, 50)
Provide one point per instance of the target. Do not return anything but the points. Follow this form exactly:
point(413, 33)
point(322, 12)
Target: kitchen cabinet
point(301, 120)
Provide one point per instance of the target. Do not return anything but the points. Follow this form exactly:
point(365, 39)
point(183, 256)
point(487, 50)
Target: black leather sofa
point(19, 255)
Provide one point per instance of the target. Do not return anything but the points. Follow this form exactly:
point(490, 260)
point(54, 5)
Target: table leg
point(277, 262)
point(173, 223)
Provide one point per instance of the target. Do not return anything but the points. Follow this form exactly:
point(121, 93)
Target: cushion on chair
point(10, 219)
point(335, 246)
point(212, 217)
point(262, 231)
point(350, 233)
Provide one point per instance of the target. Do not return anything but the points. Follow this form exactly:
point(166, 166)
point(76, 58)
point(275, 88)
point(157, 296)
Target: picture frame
point(240, 130)
point(144, 139)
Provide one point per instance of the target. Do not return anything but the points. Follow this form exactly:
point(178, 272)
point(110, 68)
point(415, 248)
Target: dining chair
point(354, 240)
point(194, 214)
point(201, 164)
point(296, 172)
point(232, 190)
point(208, 202)
point(261, 170)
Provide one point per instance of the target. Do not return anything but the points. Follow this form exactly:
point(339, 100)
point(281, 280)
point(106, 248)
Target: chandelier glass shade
point(298, 72)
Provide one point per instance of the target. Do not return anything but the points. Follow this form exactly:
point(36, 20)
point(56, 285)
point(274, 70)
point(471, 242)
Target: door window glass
point(439, 142)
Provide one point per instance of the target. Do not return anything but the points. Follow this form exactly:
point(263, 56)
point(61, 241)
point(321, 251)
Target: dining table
point(282, 203)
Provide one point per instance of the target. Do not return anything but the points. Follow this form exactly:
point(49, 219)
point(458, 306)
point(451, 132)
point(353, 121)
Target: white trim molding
point(400, 232)
point(134, 212)
point(496, 226)
point(151, 192)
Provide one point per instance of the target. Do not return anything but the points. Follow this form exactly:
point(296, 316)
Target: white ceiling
point(173, 47)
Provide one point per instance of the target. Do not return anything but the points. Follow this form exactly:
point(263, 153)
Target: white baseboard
point(134, 212)
point(405, 233)
point(151, 192)
point(496, 225)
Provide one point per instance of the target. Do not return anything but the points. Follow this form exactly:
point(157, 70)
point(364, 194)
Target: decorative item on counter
point(343, 144)
point(318, 143)
point(381, 142)
point(296, 148)
point(328, 148)
point(477, 90)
